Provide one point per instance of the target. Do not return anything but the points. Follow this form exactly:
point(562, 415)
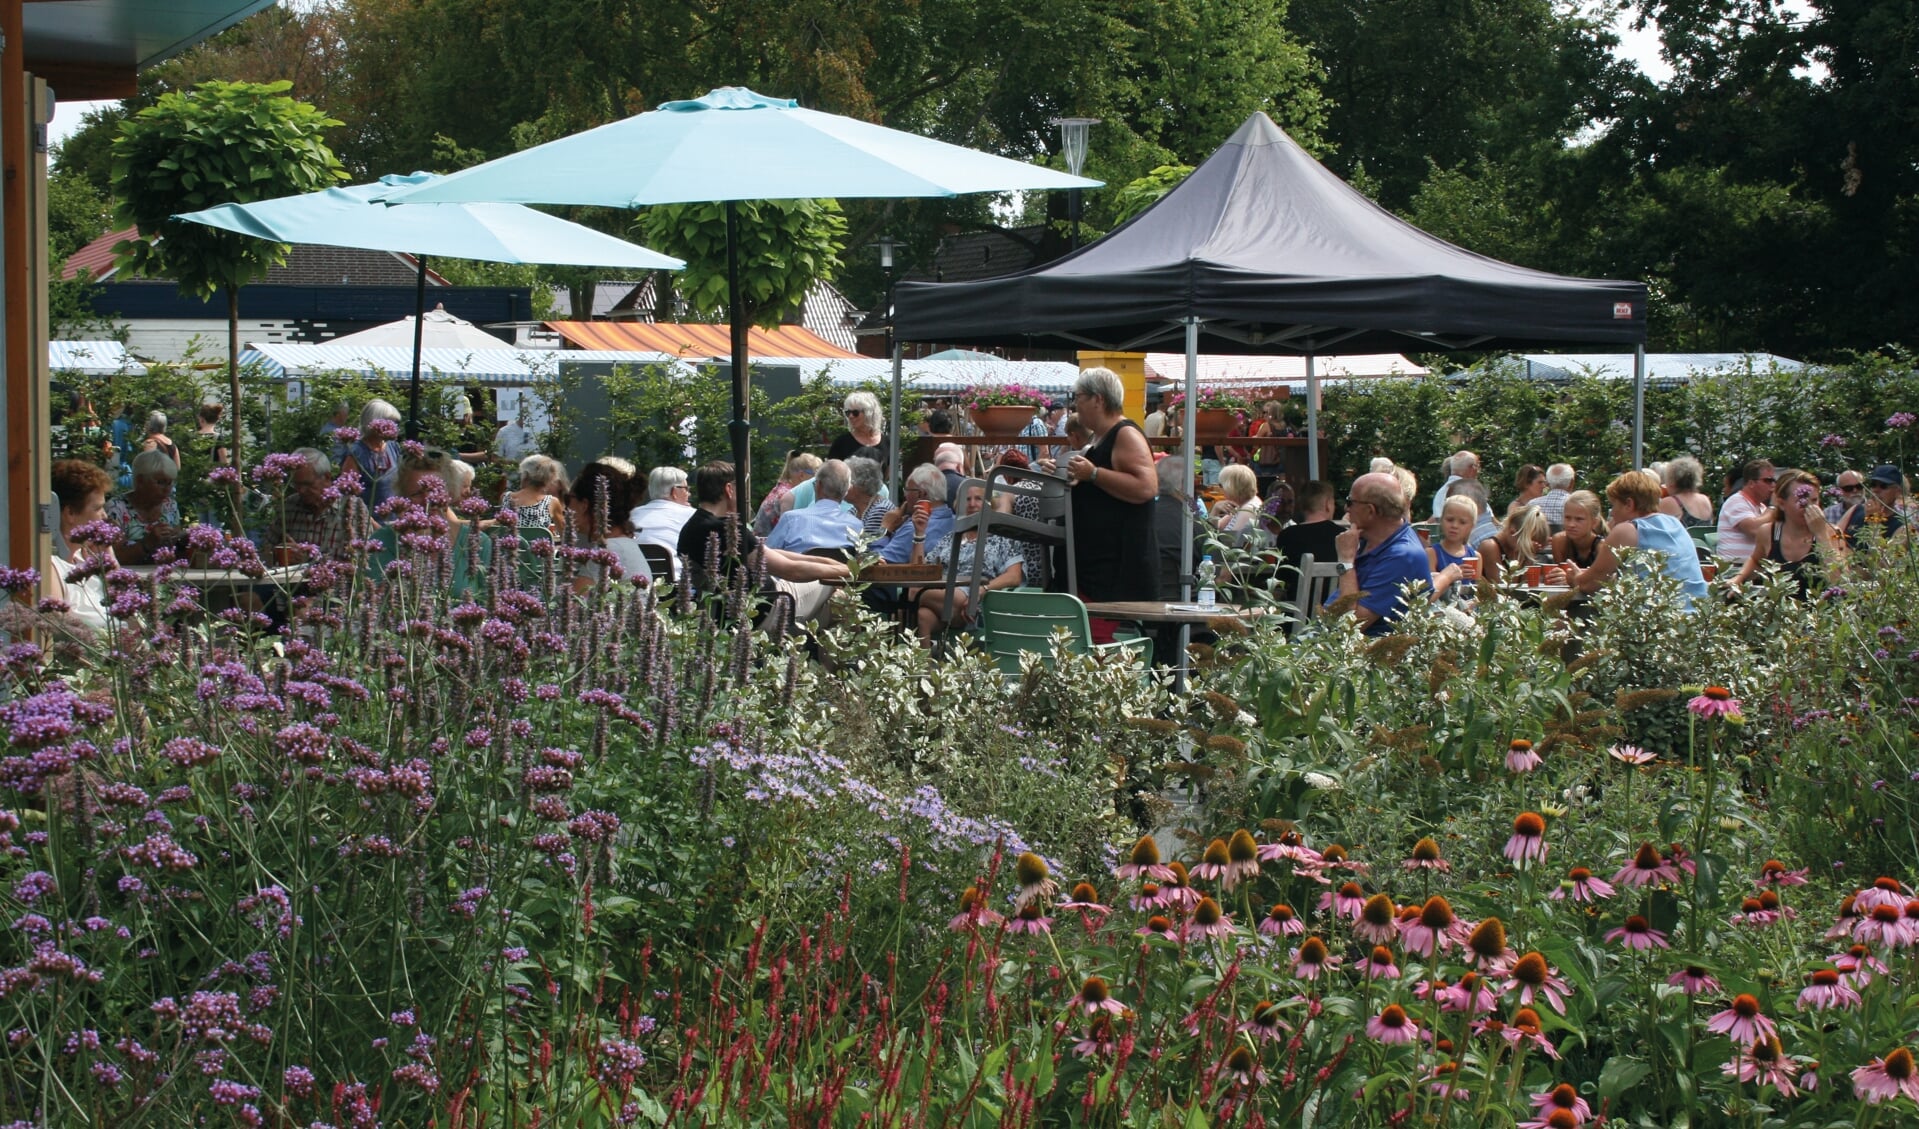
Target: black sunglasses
point(1852, 489)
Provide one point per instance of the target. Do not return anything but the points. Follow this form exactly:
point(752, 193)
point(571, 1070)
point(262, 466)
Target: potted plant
point(1001, 411)
point(1217, 411)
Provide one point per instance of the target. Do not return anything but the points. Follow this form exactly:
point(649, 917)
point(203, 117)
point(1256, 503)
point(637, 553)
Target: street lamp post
point(886, 245)
point(1072, 145)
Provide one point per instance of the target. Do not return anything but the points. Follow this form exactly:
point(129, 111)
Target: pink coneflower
point(1646, 869)
point(1638, 934)
point(1766, 1063)
point(1528, 842)
point(1334, 857)
point(1143, 862)
point(1524, 1028)
point(1770, 903)
point(1392, 1025)
point(1693, 980)
point(1470, 994)
point(1242, 858)
point(1772, 872)
point(1212, 865)
point(1031, 918)
point(1158, 925)
point(1557, 1119)
point(1177, 891)
point(1099, 1038)
point(1208, 921)
point(1281, 921)
point(1375, 922)
point(1432, 930)
point(1580, 885)
point(1094, 997)
point(1827, 990)
point(1243, 1065)
point(1532, 977)
point(1425, 856)
point(1753, 912)
point(1562, 1096)
point(1266, 1022)
point(1680, 859)
point(973, 913)
point(1716, 701)
point(1882, 892)
point(1845, 919)
point(1444, 1081)
point(1085, 899)
point(1035, 880)
point(1290, 848)
point(1520, 756)
point(1347, 901)
point(1312, 958)
point(1148, 897)
point(1886, 1078)
point(1631, 754)
point(1487, 943)
point(1884, 925)
point(1858, 965)
point(1742, 1022)
point(1379, 965)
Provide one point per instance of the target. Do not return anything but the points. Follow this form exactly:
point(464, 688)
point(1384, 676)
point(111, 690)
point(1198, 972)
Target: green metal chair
point(1017, 620)
point(378, 559)
point(465, 580)
point(532, 564)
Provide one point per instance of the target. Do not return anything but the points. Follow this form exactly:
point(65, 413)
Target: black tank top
point(1586, 559)
point(1117, 546)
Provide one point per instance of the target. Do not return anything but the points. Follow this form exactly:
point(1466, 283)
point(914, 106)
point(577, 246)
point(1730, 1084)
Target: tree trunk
point(233, 368)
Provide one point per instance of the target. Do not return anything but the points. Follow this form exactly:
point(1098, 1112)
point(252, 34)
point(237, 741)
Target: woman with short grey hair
point(148, 515)
point(1116, 547)
point(1683, 499)
point(373, 456)
point(156, 437)
point(1103, 384)
point(536, 504)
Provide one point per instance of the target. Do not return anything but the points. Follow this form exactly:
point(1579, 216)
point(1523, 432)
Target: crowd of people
point(1133, 513)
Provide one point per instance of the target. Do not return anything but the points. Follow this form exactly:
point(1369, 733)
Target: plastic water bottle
point(1207, 574)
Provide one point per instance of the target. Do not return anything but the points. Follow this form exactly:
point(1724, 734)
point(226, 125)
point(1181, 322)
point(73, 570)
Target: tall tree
point(221, 143)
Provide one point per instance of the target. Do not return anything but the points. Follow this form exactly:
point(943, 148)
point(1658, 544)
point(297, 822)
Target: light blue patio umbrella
point(498, 233)
point(736, 145)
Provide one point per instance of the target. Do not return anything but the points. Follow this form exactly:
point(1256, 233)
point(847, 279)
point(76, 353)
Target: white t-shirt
point(659, 522)
point(514, 443)
point(86, 598)
point(632, 561)
point(1155, 425)
point(1732, 543)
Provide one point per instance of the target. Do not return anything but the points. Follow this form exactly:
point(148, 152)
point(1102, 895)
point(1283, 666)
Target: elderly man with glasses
point(1382, 553)
point(925, 486)
point(1851, 485)
point(1745, 511)
point(314, 514)
point(669, 503)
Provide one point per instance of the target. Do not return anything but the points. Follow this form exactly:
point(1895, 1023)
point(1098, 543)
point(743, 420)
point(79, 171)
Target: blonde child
point(1452, 556)
point(1585, 527)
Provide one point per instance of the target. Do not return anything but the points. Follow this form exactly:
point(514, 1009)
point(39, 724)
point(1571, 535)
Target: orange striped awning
point(692, 339)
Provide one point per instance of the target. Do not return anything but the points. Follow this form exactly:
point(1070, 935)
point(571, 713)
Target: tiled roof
point(692, 339)
point(307, 265)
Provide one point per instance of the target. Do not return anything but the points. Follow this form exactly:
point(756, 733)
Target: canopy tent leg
point(1312, 420)
point(419, 332)
point(1639, 407)
point(1190, 427)
point(741, 427)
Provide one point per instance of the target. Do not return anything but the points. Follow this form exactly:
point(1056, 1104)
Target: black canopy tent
point(1262, 250)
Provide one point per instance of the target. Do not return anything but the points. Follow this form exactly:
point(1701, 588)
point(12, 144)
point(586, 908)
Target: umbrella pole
point(740, 428)
point(419, 331)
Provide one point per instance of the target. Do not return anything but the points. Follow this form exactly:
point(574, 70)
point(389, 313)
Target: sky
point(1641, 47)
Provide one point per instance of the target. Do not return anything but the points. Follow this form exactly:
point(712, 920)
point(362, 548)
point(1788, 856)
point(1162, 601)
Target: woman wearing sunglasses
point(864, 428)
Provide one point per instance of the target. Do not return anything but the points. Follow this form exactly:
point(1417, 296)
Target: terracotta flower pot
point(1214, 425)
point(1003, 421)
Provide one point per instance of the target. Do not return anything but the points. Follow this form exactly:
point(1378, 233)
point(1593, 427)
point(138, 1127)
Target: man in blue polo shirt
point(1381, 551)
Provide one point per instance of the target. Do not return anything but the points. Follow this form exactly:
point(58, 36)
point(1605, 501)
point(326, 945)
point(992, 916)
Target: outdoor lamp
point(886, 245)
point(1072, 146)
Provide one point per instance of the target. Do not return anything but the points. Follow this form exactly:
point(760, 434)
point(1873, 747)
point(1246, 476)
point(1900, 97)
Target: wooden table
point(281, 576)
point(1161, 611)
